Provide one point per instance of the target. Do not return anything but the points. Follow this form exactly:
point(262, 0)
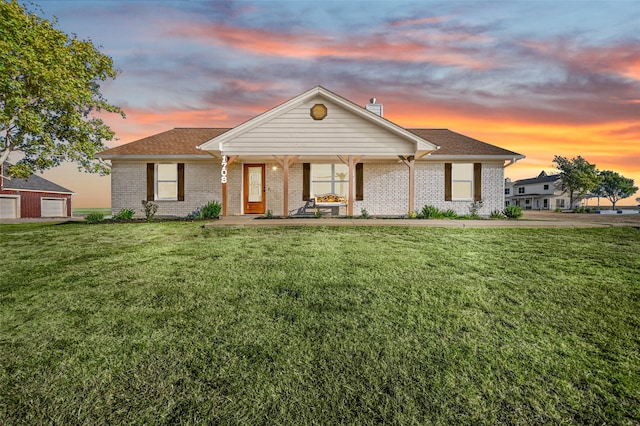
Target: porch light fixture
point(318, 112)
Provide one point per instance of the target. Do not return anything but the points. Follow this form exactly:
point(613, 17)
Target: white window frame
point(158, 181)
point(454, 180)
point(521, 190)
point(333, 179)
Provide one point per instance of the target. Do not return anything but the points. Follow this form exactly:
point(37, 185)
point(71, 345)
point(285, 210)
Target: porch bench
point(329, 200)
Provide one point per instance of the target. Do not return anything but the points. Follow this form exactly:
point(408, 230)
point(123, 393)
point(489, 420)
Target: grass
point(106, 211)
point(169, 323)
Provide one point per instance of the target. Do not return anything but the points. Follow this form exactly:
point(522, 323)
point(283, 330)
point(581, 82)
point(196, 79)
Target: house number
point(223, 172)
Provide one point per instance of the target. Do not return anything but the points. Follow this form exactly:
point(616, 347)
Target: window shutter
point(359, 182)
point(151, 185)
point(447, 181)
point(306, 181)
point(477, 181)
point(180, 181)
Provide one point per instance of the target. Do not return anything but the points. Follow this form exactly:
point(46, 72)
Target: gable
point(290, 129)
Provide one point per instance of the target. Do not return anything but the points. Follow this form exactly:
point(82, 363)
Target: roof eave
point(440, 157)
point(203, 156)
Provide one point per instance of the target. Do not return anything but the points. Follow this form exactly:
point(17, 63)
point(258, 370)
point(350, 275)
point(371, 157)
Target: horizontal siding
point(341, 132)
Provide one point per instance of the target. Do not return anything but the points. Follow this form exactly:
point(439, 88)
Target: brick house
point(315, 150)
point(32, 197)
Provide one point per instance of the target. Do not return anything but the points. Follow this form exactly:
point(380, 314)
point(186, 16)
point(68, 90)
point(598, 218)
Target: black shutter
point(151, 184)
point(477, 181)
point(447, 181)
point(306, 181)
point(359, 182)
point(180, 181)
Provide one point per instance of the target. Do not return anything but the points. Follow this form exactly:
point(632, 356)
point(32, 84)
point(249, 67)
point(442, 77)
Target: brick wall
point(129, 188)
point(386, 188)
point(430, 188)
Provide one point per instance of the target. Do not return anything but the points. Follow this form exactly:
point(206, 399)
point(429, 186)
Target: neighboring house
point(32, 197)
point(315, 144)
point(540, 193)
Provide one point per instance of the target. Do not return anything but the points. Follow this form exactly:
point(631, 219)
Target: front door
point(254, 189)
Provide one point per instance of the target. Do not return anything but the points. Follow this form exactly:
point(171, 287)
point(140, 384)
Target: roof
point(453, 144)
point(183, 142)
point(541, 178)
point(195, 142)
point(32, 183)
point(178, 142)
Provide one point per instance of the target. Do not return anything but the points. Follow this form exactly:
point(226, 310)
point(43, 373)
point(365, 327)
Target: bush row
point(211, 210)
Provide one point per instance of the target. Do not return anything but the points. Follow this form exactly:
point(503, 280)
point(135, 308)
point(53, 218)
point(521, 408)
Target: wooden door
point(254, 189)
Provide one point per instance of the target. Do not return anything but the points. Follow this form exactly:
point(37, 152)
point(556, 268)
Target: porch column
point(226, 162)
point(351, 161)
point(409, 161)
point(285, 162)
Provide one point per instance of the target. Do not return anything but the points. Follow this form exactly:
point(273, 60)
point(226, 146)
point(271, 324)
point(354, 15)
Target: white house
point(540, 193)
point(286, 159)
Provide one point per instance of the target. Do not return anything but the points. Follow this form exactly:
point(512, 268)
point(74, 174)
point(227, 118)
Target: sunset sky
point(536, 77)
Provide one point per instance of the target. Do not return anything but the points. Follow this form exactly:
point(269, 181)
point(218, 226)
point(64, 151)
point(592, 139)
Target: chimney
point(374, 107)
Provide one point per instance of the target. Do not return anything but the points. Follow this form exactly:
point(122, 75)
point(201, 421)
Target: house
point(32, 197)
point(539, 193)
point(315, 150)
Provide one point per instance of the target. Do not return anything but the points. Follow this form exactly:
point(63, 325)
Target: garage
point(53, 207)
point(9, 207)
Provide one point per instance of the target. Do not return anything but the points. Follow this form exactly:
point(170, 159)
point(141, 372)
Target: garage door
point(53, 207)
point(8, 208)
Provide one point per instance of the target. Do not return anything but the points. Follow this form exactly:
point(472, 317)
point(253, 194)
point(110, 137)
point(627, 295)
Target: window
point(546, 186)
point(521, 190)
point(165, 181)
point(545, 203)
point(329, 179)
point(462, 181)
point(507, 191)
point(559, 203)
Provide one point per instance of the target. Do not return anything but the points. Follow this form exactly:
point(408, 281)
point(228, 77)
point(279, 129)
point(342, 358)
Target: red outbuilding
point(32, 197)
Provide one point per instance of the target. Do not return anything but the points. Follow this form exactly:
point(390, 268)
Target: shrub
point(475, 207)
point(94, 217)
point(412, 215)
point(430, 212)
point(364, 214)
point(317, 213)
point(497, 214)
point(124, 214)
point(449, 214)
point(149, 208)
point(269, 214)
point(512, 212)
point(210, 210)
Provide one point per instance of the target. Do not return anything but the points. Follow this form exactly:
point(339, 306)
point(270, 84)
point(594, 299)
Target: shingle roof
point(541, 178)
point(452, 143)
point(32, 183)
point(183, 141)
point(178, 141)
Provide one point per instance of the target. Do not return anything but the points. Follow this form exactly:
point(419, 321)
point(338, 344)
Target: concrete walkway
point(241, 221)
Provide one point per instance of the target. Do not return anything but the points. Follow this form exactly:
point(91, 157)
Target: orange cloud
point(401, 46)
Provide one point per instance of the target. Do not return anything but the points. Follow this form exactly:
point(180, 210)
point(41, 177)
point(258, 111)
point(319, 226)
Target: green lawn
point(170, 323)
point(106, 211)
